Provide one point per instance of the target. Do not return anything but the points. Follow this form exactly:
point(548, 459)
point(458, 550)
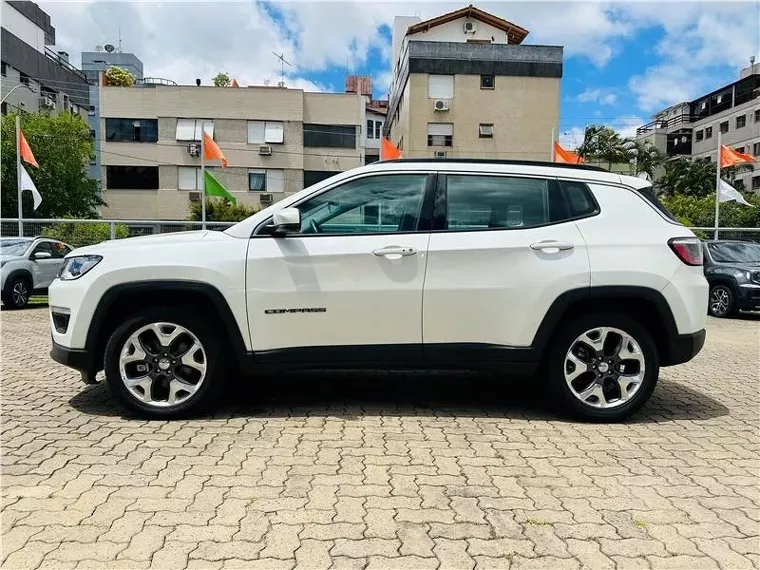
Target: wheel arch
point(645, 305)
point(25, 273)
point(121, 301)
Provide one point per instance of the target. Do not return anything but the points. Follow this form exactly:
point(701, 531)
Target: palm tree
point(645, 155)
point(603, 144)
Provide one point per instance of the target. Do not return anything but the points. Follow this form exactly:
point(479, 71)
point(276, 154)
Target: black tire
point(17, 293)
point(722, 302)
point(215, 362)
point(561, 343)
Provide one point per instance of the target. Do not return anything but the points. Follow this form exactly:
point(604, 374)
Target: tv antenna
point(283, 62)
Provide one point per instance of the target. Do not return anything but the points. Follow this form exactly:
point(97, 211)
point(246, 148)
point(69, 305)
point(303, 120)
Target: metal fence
point(113, 229)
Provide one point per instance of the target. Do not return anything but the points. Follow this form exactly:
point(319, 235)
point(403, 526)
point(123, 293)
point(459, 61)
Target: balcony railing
point(665, 124)
point(63, 63)
point(152, 81)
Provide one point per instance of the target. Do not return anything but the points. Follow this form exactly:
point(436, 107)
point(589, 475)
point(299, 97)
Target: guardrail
point(35, 227)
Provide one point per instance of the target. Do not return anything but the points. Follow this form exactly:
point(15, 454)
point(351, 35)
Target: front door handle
point(551, 246)
point(394, 252)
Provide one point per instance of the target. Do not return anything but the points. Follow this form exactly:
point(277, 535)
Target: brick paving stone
point(434, 478)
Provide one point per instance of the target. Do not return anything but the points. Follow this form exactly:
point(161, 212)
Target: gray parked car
point(27, 266)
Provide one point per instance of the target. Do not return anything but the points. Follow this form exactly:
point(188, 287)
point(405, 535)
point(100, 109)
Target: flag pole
point(203, 178)
point(18, 177)
point(551, 147)
point(717, 188)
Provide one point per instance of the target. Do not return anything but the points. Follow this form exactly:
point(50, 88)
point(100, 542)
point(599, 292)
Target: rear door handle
point(549, 245)
point(394, 252)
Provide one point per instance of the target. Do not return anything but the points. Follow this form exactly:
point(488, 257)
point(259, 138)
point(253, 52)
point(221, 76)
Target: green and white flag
point(215, 188)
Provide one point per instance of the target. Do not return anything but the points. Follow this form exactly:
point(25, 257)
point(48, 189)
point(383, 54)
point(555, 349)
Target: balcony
point(665, 124)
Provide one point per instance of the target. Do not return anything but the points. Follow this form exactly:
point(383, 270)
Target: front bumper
point(684, 347)
point(749, 297)
point(78, 359)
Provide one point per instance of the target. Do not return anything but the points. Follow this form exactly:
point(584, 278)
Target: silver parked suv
point(28, 265)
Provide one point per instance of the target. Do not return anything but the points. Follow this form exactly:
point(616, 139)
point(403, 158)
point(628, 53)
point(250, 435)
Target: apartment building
point(691, 128)
point(376, 114)
point(463, 85)
point(36, 77)
point(277, 141)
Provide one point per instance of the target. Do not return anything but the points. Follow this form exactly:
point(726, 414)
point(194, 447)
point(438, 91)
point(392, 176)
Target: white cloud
point(600, 96)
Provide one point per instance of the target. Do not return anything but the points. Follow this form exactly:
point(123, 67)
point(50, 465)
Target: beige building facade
point(276, 141)
point(464, 87)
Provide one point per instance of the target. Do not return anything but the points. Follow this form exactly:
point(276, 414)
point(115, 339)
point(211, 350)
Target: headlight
point(75, 267)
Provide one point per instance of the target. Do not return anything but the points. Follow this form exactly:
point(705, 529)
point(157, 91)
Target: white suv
point(570, 272)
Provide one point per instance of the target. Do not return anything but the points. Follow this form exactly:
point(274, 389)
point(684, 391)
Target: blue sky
point(623, 60)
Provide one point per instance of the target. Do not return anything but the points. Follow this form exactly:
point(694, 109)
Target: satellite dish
point(109, 48)
point(98, 48)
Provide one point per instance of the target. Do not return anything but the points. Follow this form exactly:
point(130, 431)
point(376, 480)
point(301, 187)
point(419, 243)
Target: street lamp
point(13, 89)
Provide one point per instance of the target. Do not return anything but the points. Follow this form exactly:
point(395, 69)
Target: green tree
point(80, 234)
point(699, 211)
point(62, 146)
point(119, 77)
point(221, 79)
point(221, 210)
point(604, 144)
point(647, 157)
point(687, 177)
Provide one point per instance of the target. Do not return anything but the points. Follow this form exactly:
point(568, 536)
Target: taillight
point(688, 250)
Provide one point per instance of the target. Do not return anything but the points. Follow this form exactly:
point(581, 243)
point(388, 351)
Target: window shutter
point(441, 129)
point(275, 181)
point(255, 132)
point(441, 86)
point(273, 132)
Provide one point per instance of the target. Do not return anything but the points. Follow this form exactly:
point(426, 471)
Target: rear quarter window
point(649, 194)
point(580, 200)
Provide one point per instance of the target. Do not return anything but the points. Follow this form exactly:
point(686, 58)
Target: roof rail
point(498, 161)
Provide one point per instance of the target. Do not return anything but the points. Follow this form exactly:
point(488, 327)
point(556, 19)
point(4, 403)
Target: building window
point(741, 121)
point(4, 108)
point(756, 182)
point(3, 68)
point(270, 132)
point(331, 136)
point(739, 184)
point(190, 129)
point(485, 130)
point(757, 115)
point(266, 180)
point(724, 127)
point(739, 149)
point(132, 130)
point(756, 149)
point(188, 178)
point(441, 86)
point(440, 134)
point(24, 79)
point(311, 177)
point(487, 82)
point(708, 133)
point(700, 135)
point(132, 177)
point(370, 129)
point(378, 129)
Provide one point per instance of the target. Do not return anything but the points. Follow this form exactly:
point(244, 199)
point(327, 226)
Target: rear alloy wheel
point(721, 303)
point(163, 364)
point(17, 295)
point(603, 367)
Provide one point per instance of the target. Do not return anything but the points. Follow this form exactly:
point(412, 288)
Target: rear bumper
point(684, 347)
point(78, 359)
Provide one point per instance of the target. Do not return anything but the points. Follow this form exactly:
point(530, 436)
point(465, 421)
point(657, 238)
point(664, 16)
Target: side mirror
point(285, 221)
point(41, 255)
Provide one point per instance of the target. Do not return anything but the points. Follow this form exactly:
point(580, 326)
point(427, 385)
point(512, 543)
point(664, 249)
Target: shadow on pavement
point(348, 395)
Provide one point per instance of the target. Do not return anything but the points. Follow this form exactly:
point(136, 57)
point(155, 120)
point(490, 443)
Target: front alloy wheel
point(721, 301)
point(162, 364)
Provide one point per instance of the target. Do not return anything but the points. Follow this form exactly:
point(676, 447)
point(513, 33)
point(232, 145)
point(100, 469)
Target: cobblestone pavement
point(381, 471)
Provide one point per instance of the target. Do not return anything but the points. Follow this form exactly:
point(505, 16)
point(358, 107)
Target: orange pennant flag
point(566, 156)
point(211, 150)
point(235, 83)
point(388, 150)
point(731, 157)
point(26, 151)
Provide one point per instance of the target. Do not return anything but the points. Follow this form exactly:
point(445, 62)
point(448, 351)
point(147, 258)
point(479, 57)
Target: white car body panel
point(368, 299)
point(490, 287)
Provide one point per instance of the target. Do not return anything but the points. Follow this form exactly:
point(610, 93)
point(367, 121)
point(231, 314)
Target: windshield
point(735, 252)
point(14, 246)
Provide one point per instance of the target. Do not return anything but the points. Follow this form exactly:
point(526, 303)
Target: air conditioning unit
point(47, 101)
point(441, 105)
point(194, 149)
point(470, 27)
point(439, 154)
point(195, 196)
point(266, 200)
point(265, 150)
